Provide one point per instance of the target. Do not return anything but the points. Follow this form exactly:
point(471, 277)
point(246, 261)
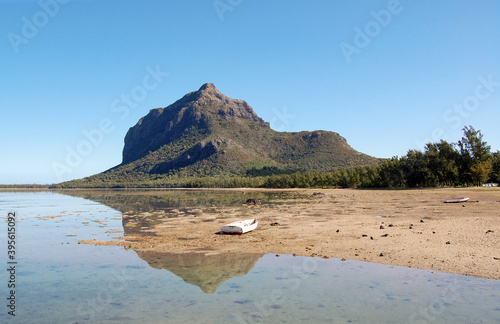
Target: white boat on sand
point(240, 227)
point(456, 200)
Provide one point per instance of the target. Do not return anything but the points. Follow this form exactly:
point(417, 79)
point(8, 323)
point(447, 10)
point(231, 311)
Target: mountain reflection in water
point(144, 210)
point(207, 271)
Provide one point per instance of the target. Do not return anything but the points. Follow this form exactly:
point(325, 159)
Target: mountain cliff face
point(196, 112)
point(208, 133)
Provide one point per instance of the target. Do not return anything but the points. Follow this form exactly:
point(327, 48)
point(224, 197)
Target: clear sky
point(388, 76)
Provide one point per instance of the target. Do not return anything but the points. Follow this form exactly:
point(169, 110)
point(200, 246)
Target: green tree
point(416, 171)
point(443, 160)
point(480, 172)
point(472, 150)
point(495, 168)
point(391, 173)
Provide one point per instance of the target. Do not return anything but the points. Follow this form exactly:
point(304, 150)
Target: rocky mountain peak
point(200, 110)
point(208, 87)
point(206, 91)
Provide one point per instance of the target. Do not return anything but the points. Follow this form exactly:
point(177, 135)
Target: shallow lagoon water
point(61, 281)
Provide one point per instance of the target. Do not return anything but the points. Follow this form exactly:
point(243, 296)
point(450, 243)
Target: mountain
point(206, 133)
point(199, 113)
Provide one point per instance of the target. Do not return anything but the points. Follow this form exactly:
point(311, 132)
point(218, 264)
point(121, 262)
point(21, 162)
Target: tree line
point(469, 162)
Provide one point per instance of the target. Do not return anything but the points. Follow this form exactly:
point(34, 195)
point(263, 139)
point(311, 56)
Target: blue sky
point(389, 76)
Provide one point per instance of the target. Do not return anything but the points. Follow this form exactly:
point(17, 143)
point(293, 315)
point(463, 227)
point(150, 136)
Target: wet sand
point(411, 228)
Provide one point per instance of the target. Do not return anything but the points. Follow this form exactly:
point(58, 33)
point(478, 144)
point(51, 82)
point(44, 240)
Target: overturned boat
point(456, 200)
point(240, 227)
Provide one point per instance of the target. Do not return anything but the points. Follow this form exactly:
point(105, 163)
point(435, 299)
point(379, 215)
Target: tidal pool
point(58, 280)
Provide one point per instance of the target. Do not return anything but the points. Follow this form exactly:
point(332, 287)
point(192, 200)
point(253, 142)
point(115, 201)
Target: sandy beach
point(411, 228)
